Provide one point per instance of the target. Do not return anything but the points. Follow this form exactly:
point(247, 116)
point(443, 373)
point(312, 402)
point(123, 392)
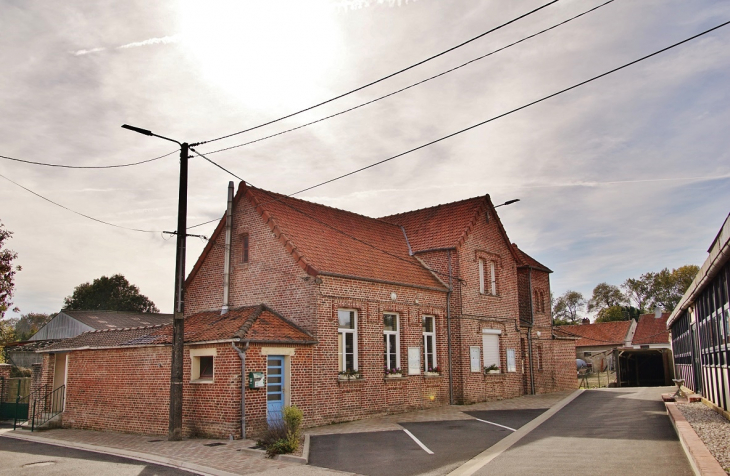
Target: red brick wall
point(127, 390)
point(271, 276)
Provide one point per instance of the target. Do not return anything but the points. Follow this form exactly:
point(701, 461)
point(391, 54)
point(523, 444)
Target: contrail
point(152, 41)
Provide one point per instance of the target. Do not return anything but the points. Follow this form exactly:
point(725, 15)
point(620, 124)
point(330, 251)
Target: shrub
point(283, 437)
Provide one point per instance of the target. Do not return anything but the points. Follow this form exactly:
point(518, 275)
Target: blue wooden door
point(274, 389)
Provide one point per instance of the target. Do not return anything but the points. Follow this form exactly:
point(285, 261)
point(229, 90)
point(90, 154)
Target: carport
point(643, 367)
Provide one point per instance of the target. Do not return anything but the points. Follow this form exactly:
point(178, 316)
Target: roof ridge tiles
point(309, 203)
point(434, 206)
point(116, 329)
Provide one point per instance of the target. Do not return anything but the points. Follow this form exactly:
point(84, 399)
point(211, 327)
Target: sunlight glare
point(264, 53)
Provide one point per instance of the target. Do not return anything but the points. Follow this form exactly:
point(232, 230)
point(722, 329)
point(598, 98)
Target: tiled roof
point(442, 226)
point(118, 319)
point(651, 330)
point(325, 240)
point(600, 333)
point(527, 260)
point(253, 323)
point(102, 338)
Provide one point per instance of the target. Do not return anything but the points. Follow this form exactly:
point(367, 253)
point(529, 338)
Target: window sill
point(395, 377)
point(431, 374)
point(202, 380)
point(345, 380)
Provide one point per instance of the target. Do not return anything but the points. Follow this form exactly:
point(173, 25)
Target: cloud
point(87, 52)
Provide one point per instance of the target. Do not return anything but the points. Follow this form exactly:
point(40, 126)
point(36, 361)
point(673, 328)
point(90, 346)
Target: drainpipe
point(448, 334)
point(242, 355)
point(227, 255)
point(529, 333)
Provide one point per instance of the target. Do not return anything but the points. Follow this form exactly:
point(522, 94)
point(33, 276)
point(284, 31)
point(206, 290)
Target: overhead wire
point(64, 166)
point(384, 77)
point(494, 118)
point(78, 213)
point(317, 220)
point(410, 86)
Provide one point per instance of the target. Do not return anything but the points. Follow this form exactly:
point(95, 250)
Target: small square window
point(206, 367)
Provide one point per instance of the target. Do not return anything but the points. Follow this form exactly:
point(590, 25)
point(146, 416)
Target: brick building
point(372, 316)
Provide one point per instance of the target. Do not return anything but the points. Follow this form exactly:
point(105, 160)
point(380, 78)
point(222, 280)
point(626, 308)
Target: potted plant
point(395, 372)
point(492, 369)
point(349, 375)
point(433, 371)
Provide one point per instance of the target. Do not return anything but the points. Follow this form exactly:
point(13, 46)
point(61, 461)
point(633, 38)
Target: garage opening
point(644, 367)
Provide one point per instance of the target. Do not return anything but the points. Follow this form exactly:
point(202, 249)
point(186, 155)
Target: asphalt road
point(395, 453)
point(602, 432)
point(25, 458)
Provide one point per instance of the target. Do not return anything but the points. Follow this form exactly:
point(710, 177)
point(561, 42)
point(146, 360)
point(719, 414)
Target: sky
point(625, 175)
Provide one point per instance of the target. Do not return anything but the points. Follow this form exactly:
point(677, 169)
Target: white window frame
point(493, 278)
point(432, 336)
point(490, 336)
point(341, 332)
point(386, 344)
point(481, 276)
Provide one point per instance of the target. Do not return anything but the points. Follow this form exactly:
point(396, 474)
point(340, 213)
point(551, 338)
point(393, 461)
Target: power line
point(276, 199)
point(87, 166)
point(384, 77)
point(412, 85)
point(511, 111)
point(78, 213)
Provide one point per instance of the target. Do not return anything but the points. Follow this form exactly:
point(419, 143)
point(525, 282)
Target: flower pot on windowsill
point(400, 375)
point(492, 369)
point(492, 372)
point(431, 374)
point(346, 376)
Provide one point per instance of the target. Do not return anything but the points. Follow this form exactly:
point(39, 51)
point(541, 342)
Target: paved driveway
point(426, 447)
point(602, 432)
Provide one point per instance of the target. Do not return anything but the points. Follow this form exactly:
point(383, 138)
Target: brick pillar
point(4, 376)
point(36, 375)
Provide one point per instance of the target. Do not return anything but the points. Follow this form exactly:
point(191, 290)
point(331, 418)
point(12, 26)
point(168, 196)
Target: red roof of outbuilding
point(600, 333)
point(652, 330)
point(527, 260)
point(252, 323)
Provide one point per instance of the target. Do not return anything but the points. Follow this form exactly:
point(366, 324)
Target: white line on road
point(418, 441)
point(483, 458)
point(495, 424)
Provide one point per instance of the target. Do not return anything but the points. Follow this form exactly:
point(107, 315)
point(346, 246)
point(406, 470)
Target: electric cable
point(384, 77)
point(410, 86)
point(78, 213)
point(414, 262)
point(87, 166)
point(494, 118)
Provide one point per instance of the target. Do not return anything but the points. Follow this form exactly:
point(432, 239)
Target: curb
point(700, 458)
point(143, 457)
point(303, 459)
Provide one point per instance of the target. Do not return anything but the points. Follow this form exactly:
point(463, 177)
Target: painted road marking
point(495, 424)
point(418, 441)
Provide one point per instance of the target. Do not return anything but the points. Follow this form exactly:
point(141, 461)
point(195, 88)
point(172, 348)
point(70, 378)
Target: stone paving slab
point(443, 413)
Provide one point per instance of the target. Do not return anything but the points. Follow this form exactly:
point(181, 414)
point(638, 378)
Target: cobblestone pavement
point(444, 413)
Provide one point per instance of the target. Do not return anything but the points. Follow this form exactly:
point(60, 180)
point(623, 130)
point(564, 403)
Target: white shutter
point(491, 349)
point(481, 276)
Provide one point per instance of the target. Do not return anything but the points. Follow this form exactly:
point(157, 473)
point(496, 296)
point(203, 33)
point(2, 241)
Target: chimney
point(585, 320)
point(227, 252)
point(657, 312)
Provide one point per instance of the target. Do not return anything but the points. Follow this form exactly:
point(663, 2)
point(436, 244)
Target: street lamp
point(178, 326)
point(508, 202)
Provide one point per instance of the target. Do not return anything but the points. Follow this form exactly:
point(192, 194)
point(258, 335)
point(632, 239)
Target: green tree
point(566, 307)
point(638, 290)
point(617, 313)
point(30, 323)
point(109, 294)
point(668, 287)
point(7, 272)
point(604, 296)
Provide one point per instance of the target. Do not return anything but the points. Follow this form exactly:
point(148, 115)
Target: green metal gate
point(13, 398)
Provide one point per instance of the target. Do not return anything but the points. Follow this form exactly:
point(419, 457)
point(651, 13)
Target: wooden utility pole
point(178, 326)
